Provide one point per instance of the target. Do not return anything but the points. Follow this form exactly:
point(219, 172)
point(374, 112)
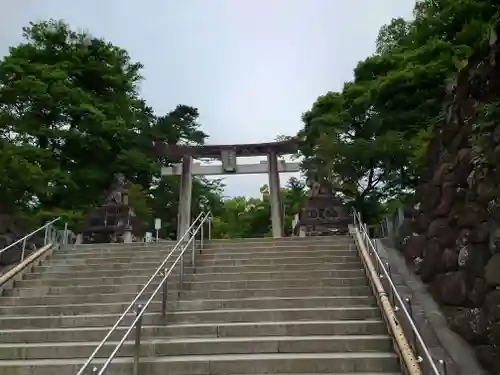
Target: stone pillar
point(274, 194)
point(185, 196)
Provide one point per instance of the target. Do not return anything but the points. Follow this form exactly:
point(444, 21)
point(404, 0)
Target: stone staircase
point(254, 306)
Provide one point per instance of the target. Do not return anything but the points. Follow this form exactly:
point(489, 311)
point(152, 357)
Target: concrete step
point(44, 290)
point(277, 252)
point(62, 272)
point(208, 245)
point(274, 283)
point(189, 291)
point(35, 291)
point(202, 346)
point(118, 259)
point(205, 256)
point(75, 268)
point(35, 280)
point(90, 272)
point(275, 363)
point(263, 248)
point(108, 305)
point(116, 250)
point(282, 260)
point(210, 316)
point(202, 263)
point(250, 242)
point(281, 292)
point(293, 328)
point(277, 275)
point(208, 250)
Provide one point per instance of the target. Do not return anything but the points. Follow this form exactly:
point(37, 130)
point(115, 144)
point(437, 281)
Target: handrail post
point(193, 249)
point(164, 297)
point(209, 228)
point(181, 273)
point(201, 237)
point(65, 234)
point(443, 367)
point(137, 344)
point(23, 249)
point(45, 240)
point(410, 308)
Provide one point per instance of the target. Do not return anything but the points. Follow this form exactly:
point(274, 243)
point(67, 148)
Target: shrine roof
point(214, 151)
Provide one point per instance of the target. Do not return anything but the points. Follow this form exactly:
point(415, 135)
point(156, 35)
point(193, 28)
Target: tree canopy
point(371, 137)
point(71, 117)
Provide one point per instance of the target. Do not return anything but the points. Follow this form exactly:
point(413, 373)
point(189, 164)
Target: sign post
point(157, 227)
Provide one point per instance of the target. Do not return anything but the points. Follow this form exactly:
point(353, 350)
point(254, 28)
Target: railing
point(188, 240)
point(420, 350)
point(52, 235)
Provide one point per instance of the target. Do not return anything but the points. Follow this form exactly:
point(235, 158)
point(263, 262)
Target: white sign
point(157, 224)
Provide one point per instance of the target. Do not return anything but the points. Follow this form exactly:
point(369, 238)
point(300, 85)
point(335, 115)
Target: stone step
point(282, 260)
point(275, 284)
point(75, 268)
point(293, 328)
point(281, 292)
point(187, 293)
point(205, 256)
point(68, 272)
point(118, 258)
point(275, 363)
point(207, 249)
point(202, 263)
point(152, 317)
point(277, 275)
point(202, 346)
point(250, 242)
point(35, 281)
point(92, 273)
point(36, 291)
point(109, 305)
point(214, 244)
point(263, 248)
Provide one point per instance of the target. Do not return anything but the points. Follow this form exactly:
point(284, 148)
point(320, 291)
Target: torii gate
point(228, 155)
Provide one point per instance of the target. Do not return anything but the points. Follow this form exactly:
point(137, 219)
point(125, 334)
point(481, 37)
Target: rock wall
point(451, 234)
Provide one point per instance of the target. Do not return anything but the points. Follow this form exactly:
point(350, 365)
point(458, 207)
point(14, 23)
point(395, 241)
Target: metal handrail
point(50, 236)
point(399, 304)
point(191, 232)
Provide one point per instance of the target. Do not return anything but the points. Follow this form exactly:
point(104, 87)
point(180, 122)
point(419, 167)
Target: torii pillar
point(185, 196)
point(274, 194)
point(228, 155)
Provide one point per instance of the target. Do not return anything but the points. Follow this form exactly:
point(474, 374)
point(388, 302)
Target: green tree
point(243, 217)
point(370, 138)
point(71, 118)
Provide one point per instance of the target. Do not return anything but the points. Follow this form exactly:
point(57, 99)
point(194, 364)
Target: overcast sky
point(250, 66)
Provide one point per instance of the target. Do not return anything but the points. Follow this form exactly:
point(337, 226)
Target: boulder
point(471, 324)
point(414, 247)
point(489, 357)
point(449, 260)
point(451, 288)
point(431, 264)
point(492, 271)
